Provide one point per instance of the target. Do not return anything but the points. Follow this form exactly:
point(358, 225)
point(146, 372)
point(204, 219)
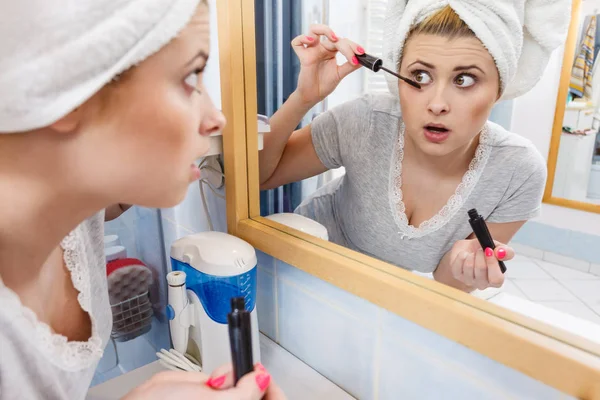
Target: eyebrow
point(200, 54)
point(458, 68)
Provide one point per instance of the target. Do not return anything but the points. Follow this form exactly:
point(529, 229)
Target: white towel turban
point(519, 34)
point(54, 55)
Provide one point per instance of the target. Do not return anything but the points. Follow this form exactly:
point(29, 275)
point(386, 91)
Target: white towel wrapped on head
point(54, 55)
point(519, 34)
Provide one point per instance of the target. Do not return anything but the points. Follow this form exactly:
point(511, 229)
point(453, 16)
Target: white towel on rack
point(54, 55)
point(519, 34)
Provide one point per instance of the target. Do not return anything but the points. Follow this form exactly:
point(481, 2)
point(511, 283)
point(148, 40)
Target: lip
point(436, 137)
point(437, 126)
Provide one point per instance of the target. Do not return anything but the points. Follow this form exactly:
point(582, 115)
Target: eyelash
point(196, 72)
point(474, 77)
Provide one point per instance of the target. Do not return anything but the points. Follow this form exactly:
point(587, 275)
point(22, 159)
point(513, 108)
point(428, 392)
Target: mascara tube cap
point(370, 62)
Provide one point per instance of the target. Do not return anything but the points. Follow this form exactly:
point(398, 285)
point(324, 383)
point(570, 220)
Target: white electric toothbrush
point(178, 310)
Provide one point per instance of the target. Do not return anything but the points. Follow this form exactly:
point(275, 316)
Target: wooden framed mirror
point(557, 357)
point(574, 157)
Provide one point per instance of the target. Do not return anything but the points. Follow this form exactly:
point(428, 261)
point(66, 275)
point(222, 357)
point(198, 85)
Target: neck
point(454, 163)
point(39, 206)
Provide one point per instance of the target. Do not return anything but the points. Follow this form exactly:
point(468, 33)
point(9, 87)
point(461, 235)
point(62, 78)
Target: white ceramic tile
point(297, 380)
point(550, 316)
point(588, 291)
point(528, 251)
point(419, 364)
point(364, 311)
point(560, 273)
point(510, 287)
point(190, 213)
point(266, 304)
point(565, 261)
point(544, 290)
point(574, 308)
point(525, 269)
point(329, 340)
point(595, 269)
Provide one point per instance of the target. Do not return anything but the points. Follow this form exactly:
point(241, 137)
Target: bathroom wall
point(140, 231)
point(372, 353)
point(571, 234)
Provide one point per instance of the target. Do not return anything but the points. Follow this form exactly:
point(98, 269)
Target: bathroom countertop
point(297, 379)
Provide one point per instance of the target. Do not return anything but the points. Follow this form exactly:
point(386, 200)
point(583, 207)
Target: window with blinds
point(375, 14)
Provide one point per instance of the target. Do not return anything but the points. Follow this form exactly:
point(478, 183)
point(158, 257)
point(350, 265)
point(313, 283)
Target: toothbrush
point(375, 64)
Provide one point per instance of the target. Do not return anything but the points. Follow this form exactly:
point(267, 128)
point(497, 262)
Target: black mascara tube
point(482, 233)
point(240, 339)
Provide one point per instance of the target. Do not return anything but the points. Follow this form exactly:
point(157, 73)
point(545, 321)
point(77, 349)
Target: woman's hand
point(319, 72)
point(196, 385)
point(478, 268)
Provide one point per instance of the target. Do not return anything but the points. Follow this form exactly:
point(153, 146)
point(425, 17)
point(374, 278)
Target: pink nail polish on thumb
point(263, 381)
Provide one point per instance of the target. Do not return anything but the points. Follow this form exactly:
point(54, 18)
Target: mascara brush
point(375, 64)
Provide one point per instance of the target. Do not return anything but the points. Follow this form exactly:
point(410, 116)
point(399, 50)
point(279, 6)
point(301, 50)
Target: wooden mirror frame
point(559, 115)
point(558, 358)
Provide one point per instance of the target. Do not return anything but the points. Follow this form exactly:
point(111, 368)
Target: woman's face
point(145, 132)
point(460, 85)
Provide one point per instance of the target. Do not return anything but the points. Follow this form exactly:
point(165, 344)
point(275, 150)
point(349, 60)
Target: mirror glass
point(577, 175)
point(558, 286)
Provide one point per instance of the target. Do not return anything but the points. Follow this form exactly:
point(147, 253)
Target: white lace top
point(35, 363)
point(364, 209)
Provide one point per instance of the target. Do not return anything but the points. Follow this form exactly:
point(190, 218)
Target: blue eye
point(465, 80)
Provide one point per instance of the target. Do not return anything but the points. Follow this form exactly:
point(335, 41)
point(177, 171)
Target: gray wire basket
point(131, 318)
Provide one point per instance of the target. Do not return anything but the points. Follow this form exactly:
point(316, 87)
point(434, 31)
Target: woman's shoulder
point(380, 103)
point(516, 150)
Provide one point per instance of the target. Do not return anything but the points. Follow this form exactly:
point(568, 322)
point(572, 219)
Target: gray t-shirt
point(363, 210)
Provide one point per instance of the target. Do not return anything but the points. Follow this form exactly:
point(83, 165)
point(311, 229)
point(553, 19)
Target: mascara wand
point(375, 64)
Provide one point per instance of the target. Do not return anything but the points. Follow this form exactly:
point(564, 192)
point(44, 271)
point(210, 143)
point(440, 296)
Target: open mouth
point(436, 129)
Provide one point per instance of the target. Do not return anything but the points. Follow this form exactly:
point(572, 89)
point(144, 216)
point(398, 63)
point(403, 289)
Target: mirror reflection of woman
point(417, 160)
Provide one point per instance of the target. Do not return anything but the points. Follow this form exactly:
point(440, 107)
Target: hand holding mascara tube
point(482, 234)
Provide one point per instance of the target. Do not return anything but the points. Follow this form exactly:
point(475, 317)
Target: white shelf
point(295, 378)
point(216, 139)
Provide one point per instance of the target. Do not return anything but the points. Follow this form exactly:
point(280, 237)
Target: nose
point(438, 105)
point(213, 121)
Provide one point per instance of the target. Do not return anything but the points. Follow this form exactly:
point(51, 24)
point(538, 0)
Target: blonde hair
point(444, 22)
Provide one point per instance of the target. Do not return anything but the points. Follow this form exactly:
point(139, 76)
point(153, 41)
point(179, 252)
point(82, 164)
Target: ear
point(69, 122)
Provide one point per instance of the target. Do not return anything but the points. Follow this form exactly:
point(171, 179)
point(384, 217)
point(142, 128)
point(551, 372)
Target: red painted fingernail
point(310, 39)
point(260, 367)
point(333, 36)
point(501, 254)
point(354, 60)
point(489, 252)
point(360, 50)
point(216, 382)
point(263, 380)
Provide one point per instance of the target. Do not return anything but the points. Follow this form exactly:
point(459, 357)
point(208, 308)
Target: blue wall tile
point(266, 304)
point(266, 262)
point(422, 364)
point(363, 310)
point(568, 243)
point(335, 343)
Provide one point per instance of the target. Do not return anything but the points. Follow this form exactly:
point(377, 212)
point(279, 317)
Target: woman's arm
point(290, 156)
point(467, 267)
